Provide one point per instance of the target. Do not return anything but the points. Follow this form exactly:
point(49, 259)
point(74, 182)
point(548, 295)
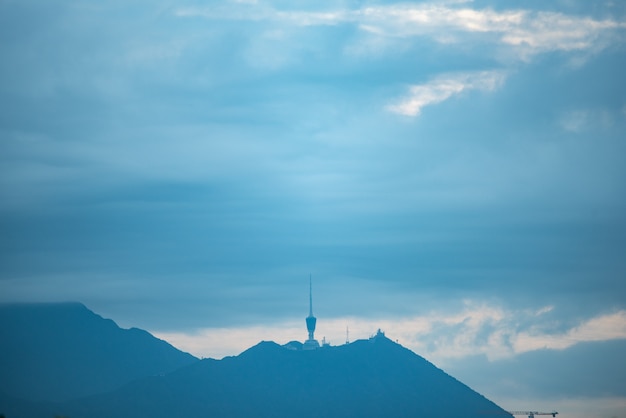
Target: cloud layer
point(442, 337)
point(530, 32)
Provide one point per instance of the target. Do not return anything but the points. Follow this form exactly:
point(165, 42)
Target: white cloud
point(544, 32)
point(528, 32)
point(444, 87)
point(427, 19)
point(537, 31)
point(475, 329)
point(221, 342)
point(315, 18)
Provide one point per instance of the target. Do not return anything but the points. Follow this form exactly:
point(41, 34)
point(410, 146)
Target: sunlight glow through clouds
point(477, 329)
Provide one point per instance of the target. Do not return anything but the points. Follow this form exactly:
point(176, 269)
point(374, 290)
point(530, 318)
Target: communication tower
point(311, 343)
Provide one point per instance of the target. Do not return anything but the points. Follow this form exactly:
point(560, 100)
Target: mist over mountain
point(62, 351)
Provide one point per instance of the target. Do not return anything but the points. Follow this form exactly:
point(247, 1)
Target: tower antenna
point(310, 296)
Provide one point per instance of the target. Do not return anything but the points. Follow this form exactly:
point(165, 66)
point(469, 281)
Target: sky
point(450, 171)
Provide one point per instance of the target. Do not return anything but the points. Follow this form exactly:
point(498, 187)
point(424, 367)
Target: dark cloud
point(190, 172)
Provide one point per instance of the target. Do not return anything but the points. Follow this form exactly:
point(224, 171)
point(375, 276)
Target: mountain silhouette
point(62, 351)
point(368, 378)
point(64, 360)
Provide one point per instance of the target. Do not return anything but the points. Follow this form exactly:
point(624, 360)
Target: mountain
point(62, 351)
point(368, 378)
point(64, 360)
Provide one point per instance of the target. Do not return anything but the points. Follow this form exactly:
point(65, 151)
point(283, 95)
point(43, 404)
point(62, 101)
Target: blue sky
point(452, 171)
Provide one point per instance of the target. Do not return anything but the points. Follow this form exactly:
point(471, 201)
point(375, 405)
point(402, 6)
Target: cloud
point(477, 329)
point(570, 407)
point(547, 31)
point(165, 170)
point(587, 369)
point(574, 121)
point(443, 88)
point(602, 328)
point(582, 120)
point(534, 32)
point(528, 32)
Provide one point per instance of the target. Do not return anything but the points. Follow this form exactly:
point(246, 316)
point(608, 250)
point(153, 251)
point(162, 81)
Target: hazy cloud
point(443, 88)
point(603, 328)
point(580, 120)
point(530, 32)
point(586, 369)
point(478, 329)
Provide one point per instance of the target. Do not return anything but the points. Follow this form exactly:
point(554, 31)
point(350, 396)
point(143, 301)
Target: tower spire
point(310, 296)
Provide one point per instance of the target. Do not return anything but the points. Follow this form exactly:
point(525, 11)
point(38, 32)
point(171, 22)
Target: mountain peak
point(374, 377)
point(262, 350)
point(59, 351)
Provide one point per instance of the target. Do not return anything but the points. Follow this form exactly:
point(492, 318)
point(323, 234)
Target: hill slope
point(62, 351)
point(368, 378)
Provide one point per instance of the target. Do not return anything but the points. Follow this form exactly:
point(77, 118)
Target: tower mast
point(310, 296)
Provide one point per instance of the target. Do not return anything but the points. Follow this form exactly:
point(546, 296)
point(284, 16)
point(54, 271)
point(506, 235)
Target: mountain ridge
point(374, 377)
point(60, 351)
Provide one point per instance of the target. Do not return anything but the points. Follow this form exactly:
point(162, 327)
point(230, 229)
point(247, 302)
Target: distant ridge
point(61, 351)
point(367, 378)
